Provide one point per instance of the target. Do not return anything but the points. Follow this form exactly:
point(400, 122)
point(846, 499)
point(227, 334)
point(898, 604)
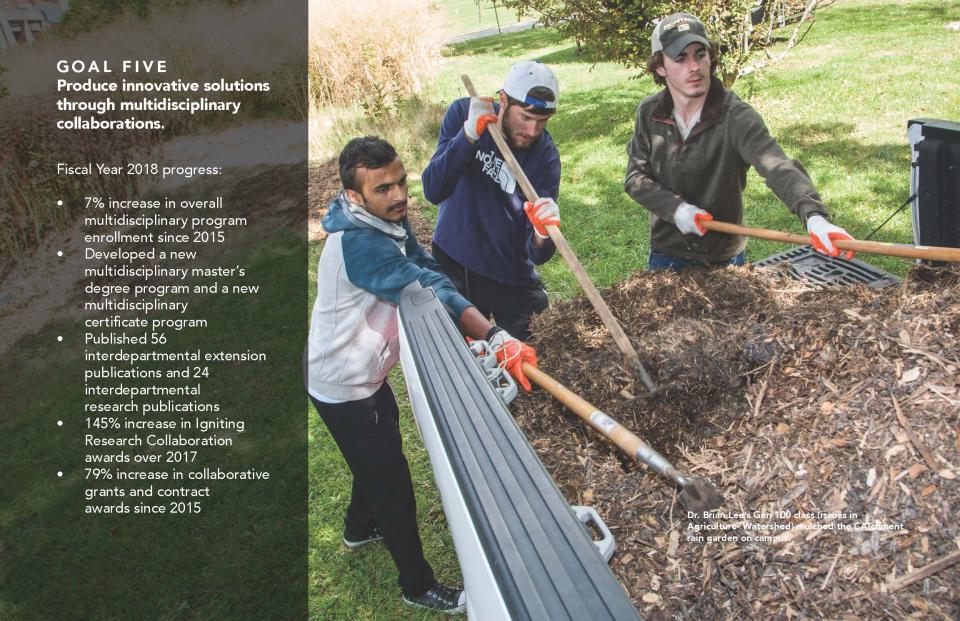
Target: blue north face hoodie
point(365, 264)
point(481, 224)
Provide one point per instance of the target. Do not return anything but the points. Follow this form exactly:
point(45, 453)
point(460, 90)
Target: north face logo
point(495, 168)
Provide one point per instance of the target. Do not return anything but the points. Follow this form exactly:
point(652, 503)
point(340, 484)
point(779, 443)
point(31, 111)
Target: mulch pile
point(827, 419)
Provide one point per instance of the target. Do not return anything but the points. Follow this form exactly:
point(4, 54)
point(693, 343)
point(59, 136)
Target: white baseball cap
point(528, 75)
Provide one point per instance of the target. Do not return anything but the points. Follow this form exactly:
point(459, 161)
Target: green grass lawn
point(463, 16)
point(839, 103)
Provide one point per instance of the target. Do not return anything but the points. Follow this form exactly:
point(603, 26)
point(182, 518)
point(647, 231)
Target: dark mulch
point(792, 401)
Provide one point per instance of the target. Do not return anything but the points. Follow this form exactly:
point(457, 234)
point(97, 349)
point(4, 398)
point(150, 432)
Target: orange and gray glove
point(481, 112)
point(541, 213)
point(511, 354)
point(688, 218)
point(823, 234)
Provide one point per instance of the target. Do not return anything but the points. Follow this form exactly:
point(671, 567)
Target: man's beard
point(508, 134)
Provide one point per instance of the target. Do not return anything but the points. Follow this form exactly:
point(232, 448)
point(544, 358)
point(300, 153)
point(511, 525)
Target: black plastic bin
point(936, 181)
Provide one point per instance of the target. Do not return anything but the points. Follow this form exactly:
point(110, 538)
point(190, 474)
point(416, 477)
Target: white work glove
point(481, 112)
point(688, 218)
point(822, 235)
point(511, 354)
point(541, 213)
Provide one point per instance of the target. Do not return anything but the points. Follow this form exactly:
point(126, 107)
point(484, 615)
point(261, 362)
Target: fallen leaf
point(928, 490)
point(841, 442)
point(919, 604)
point(650, 597)
point(783, 428)
point(827, 407)
point(946, 473)
point(587, 495)
point(626, 559)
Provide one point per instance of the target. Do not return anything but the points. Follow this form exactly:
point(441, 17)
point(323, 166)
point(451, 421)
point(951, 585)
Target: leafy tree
point(620, 30)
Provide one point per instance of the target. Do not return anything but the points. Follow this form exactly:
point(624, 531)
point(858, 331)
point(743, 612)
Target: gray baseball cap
point(677, 31)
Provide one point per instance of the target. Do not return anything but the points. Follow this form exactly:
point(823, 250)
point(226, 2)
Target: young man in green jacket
point(693, 144)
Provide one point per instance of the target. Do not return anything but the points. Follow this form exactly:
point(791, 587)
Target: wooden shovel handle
point(929, 253)
point(625, 439)
point(623, 343)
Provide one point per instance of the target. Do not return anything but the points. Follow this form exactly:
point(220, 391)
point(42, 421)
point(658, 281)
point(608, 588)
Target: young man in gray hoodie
point(370, 255)
point(688, 159)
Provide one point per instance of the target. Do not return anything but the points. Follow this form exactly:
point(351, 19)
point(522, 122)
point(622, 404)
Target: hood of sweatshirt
point(343, 215)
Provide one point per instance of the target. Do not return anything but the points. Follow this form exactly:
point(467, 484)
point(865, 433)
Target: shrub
point(620, 30)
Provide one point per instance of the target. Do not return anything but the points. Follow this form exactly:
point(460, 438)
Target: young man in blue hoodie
point(487, 239)
point(370, 255)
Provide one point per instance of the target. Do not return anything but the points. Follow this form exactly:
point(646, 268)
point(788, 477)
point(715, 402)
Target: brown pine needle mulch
point(828, 420)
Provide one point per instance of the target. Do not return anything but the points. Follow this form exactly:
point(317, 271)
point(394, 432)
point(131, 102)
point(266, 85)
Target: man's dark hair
point(656, 60)
point(538, 92)
point(369, 152)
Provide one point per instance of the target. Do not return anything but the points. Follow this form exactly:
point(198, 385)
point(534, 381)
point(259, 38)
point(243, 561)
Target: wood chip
point(927, 457)
point(674, 543)
point(650, 597)
point(910, 376)
point(916, 470)
point(923, 572)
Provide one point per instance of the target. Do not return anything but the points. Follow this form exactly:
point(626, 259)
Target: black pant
point(368, 434)
point(511, 307)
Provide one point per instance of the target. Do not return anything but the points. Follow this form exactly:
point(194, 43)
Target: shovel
point(696, 493)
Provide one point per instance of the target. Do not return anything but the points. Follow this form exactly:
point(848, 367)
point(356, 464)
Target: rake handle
point(929, 253)
point(626, 440)
point(619, 337)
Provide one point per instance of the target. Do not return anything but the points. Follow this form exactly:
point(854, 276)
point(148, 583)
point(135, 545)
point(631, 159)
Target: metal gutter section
point(523, 552)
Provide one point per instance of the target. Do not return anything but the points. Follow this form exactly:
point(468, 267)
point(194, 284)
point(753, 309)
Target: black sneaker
point(441, 598)
point(354, 541)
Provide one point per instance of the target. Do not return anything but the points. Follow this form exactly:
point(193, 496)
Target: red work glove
point(511, 354)
point(481, 112)
point(688, 219)
point(545, 211)
point(823, 234)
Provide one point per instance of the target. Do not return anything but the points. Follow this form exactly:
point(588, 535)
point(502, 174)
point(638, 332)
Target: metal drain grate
point(806, 264)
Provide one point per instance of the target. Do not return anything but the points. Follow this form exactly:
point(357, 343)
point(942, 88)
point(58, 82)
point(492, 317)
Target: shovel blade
point(699, 495)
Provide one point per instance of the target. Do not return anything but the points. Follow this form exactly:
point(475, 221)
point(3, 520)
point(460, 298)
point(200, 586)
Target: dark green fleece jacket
point(708, 170)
